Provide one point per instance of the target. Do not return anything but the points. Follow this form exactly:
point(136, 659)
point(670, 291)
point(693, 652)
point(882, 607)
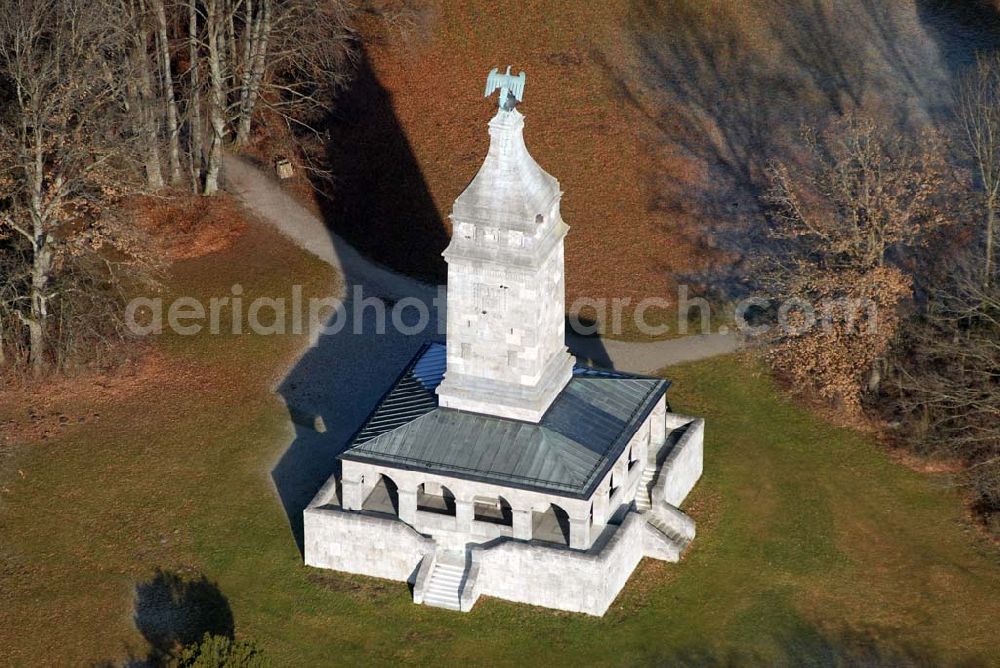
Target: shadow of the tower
point(381, 205)
point(379, 201)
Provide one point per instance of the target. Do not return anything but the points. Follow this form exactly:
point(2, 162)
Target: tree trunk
point(251, 87)
point(990, 222)
point(217, 99)
point(151, 130)
point(249, 24)
point(3, 353)
point(41, 270)
point(41, 255)
point(194, 112)
point(875, 376)
point(167, 79)
point(231, 7)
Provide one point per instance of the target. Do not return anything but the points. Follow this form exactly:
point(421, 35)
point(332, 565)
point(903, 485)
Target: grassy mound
point(813, 546)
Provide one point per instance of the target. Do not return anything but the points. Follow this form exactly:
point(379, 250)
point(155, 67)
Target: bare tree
point(978, 97)
point(62, 150)
point(136, 23)
point(214, 22)
point(14, 272)
point(167, 86)
point(944, 389)
point(863, 192)
point(257, 35)
point(88, 93)
point(311, 55)
point(195, 129)
point(86, 88)
point(243, 56)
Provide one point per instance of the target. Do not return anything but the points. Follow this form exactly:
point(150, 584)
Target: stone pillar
point(642, 443)
point(407, 505)
point(600, 507)
point(464, 513)
point(579, 533)
point(522, 524)
point(642, 448)
point(658, 425)
point(353, 492)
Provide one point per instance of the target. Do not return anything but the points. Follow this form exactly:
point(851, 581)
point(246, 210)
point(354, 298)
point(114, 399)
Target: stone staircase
point(444, 583)
point(659, 523)
point(669, 530)
point(642, 496)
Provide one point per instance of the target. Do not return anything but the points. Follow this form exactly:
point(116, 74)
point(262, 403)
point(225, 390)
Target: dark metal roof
point(578, 439)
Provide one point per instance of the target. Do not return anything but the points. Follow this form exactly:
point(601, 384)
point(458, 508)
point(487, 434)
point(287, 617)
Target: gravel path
point(263, 195)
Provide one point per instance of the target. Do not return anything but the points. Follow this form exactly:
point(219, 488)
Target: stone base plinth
point(504, 399)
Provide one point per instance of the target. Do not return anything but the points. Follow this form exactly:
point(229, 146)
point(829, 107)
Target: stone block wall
point(683, 466)
point(585, 582)
point(538, 574)
point(506, 337)
point(365, 544)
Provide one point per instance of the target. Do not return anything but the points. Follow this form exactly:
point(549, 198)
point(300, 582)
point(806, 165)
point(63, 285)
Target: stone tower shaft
point(506, 352)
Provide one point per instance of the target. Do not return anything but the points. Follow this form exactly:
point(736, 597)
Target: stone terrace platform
point(452, 560)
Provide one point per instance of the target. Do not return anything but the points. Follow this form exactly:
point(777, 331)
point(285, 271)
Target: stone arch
point(494, 512)
point(383, 497)
point(435, 498)
point(551, 525)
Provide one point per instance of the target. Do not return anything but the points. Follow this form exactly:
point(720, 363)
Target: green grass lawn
point(813, 546)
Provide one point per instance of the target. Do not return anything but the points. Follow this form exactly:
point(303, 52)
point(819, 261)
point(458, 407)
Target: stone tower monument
point(494, 466)
point(506, 353)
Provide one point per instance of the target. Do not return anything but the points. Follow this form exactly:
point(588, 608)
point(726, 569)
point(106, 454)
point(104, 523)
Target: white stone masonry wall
point(683, 466)
point(357, 543)
point(585, 582)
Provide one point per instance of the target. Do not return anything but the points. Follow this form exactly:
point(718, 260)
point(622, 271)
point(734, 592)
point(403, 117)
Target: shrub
point(218, 651)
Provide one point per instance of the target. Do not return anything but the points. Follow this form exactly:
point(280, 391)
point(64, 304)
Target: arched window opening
point(435, 498)
point(494, 511)
point(383, 498)
point(551, 526)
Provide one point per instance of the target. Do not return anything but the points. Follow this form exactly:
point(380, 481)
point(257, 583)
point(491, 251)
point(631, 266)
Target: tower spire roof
point(511, 190)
